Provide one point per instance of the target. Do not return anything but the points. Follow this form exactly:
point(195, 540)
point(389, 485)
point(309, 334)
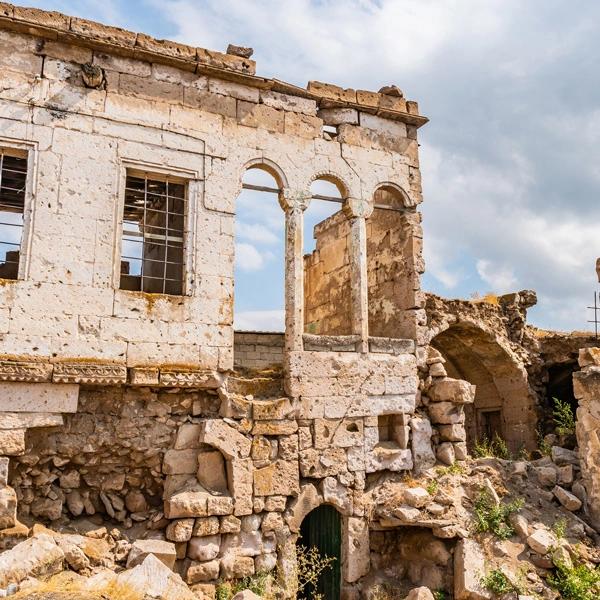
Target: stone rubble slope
point(442, 500)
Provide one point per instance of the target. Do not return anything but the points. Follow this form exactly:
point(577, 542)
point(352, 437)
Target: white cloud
point(248, 258)
point(255, 232)
point(260, 320)
point(501, 278)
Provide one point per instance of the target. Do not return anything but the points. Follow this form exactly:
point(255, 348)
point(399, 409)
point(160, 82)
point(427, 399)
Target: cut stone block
point(164, 551)
point(38, 397)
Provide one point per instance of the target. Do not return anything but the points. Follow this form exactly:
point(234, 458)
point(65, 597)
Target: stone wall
point(587, 391)
point(123, 407)
point(328, 279)
point(393, 281)
point(257, 350)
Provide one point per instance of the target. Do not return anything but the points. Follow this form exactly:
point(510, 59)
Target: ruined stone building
point(126, 393)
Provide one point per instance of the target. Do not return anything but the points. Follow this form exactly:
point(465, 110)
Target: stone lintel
point(16, 397)
point(382, 345)
point(330, 343)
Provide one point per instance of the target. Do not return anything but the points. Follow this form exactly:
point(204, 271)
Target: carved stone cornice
point(35, 372)
point(93, 374)
point(190, 379)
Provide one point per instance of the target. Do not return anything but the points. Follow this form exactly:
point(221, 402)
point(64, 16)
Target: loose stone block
point(568, 500)
point(35, 557)
point(469, 565)
point(164, 551)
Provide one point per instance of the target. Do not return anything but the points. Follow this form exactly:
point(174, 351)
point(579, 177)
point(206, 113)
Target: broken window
point(152, 248)
point(13, 179)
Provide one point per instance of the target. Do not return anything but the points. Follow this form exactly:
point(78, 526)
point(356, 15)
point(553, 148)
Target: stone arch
point(335, 178)
point(395, 190)
point(504, 401)
point(270, 167)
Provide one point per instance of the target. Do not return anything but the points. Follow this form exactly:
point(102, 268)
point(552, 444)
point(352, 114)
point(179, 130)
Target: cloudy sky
point(511, 157)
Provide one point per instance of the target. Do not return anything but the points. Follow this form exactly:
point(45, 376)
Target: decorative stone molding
point(35, 372)
point(89, 373)
point(190, 379)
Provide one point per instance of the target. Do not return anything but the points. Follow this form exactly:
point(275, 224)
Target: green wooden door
point(322, 528)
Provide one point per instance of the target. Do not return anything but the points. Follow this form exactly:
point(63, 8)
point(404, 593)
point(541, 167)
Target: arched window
point(327, 268)
point(259, 253)
point(391, 273)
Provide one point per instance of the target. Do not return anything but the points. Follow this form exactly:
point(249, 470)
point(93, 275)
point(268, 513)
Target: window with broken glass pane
point(152, 248)
point(13, 180)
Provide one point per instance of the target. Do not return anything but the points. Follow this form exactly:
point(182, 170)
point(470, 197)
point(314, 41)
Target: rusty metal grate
point(152, 245)
point(13, 181)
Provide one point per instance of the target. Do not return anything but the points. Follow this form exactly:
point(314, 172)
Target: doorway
point(322, 529)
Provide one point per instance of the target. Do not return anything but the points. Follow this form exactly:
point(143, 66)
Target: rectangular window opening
point(13, 182)
point(152, 244)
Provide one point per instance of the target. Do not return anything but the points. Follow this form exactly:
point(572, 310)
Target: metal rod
point(260, 188)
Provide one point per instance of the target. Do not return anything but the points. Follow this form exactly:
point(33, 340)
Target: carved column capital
point(294, 200)
point(358, 208)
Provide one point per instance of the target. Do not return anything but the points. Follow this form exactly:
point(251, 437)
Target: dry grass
point(67, 586)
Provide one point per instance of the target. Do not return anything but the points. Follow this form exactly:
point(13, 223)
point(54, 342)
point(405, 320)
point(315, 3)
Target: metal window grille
point(152, 245)
point(13, 180)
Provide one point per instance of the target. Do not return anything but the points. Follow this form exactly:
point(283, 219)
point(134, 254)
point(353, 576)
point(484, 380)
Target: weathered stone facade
point(206, 450)
point(145, 408)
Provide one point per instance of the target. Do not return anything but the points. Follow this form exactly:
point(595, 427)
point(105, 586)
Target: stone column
point(294, 203)
point(358, 211)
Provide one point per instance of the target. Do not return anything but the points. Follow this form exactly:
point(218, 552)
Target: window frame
point(192, 184)
point(29, 151)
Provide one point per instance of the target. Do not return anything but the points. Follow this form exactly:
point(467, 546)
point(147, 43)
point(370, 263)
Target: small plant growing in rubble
point(308, 568)
point(432, 487)
point(492, 517)
point(496, 448)
point(564, 419)
point(454, 469)
point(560, 528)
point(440, 595)
point(543, 446)
point(498, 583)
point(577, 582)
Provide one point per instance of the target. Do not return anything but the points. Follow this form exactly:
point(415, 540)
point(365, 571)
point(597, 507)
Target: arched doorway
point(322, 529)
point(504, 404)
